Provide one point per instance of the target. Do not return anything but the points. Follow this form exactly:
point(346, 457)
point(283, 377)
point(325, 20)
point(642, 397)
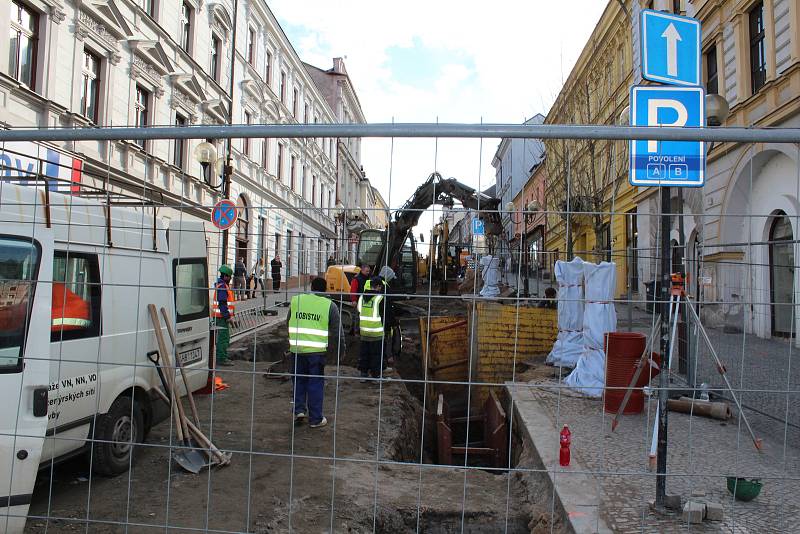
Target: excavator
point(396, 246)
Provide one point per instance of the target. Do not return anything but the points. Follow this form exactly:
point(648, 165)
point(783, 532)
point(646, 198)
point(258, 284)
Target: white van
point(75, 331)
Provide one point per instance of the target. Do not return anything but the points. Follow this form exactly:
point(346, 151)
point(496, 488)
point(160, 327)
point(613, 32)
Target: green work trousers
point(223, 339)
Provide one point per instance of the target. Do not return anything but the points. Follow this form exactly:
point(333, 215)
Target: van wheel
point(117, 432)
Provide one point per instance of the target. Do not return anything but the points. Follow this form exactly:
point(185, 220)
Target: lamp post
point(206, 155)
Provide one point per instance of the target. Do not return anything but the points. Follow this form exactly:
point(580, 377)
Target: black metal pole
point(227, 174)
point(663, 379)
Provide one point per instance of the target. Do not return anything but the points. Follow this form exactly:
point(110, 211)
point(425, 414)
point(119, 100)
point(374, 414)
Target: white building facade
point(160, 62)
point(513, 162)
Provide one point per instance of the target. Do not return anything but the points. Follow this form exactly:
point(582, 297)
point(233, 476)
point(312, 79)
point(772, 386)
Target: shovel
point(189, 458)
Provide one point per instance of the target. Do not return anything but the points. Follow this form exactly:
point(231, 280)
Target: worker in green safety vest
point(315, 330)
point(373, 315)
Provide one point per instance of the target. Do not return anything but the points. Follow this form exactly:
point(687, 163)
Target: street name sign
point(667, 163)
point(670, 48)
point(478, 227)
point(224, 214)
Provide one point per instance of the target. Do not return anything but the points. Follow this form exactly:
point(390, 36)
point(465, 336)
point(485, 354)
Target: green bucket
point(744, 489)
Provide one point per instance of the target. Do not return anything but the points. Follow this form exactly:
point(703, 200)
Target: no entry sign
point(224, 214)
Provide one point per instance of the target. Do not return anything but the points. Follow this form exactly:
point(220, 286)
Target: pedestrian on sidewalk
point(240, 278)
point(258, 277)
point(315, 330)
point(371, 328)
point(275, 268)
point(223, 309)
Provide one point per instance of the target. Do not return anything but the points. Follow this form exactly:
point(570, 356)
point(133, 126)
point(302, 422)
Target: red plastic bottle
point(566, 440)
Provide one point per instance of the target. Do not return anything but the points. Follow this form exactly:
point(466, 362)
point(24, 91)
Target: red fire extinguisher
point(566, 440)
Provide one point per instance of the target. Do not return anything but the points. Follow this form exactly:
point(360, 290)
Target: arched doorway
point(781, 265)
point(243, 231)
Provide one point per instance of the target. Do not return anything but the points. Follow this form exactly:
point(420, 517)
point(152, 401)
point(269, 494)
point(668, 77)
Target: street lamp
point(206, 155)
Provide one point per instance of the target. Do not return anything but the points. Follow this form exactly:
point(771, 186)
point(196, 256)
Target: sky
point(452, 61)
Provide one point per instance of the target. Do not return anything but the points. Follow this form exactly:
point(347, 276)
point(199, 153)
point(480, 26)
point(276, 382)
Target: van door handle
point(40, 402)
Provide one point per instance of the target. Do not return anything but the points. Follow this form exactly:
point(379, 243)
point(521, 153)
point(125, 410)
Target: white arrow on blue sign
point(670, 48)
point(667, 163)
point(478, 227)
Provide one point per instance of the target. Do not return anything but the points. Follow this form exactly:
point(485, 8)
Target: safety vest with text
point(308, 324)
point(370, 322)
point(215, 303)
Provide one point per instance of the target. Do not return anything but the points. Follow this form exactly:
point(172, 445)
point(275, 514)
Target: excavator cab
point(372, 250)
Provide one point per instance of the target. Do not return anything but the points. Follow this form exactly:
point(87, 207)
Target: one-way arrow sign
point(670, 48)
point(672, 36)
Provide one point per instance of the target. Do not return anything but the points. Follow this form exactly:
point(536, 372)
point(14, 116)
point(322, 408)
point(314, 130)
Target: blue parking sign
point(477, 227)
point(667, 163)
point(670, 48)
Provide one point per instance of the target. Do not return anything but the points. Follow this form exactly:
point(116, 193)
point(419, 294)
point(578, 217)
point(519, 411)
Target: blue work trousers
point(309, 370)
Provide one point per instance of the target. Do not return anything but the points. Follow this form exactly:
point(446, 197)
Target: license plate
point(190, 356)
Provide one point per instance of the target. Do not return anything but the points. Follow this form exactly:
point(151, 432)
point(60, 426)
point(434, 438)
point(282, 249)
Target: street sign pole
point(670, 47)
point(663, 380)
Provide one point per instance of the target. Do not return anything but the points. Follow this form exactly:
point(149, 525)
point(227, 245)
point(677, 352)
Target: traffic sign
point(478, 227)
point(667, 163)
point(670, 48)
point(224, 214)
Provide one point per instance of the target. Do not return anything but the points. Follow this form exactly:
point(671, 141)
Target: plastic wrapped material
point(569, 345)
point(599, 317)
point(490, 271)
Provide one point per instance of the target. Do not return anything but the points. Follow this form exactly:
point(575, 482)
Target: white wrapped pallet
point(599, 317)
point(569, 345)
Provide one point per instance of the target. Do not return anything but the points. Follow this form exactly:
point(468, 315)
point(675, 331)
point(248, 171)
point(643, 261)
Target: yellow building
point(589, 179)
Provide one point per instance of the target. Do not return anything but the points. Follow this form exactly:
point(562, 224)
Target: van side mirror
point(421, 238)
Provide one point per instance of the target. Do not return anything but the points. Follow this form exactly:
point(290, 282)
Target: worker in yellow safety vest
point(314, 331)
point(223, 308)
point(373, 310)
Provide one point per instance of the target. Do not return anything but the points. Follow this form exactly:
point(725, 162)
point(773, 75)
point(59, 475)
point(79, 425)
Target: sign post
point(670, 47)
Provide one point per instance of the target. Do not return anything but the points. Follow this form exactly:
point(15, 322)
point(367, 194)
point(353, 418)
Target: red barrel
point(623, 351)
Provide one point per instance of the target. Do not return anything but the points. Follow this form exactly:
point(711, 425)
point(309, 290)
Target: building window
point(283, 88)
point(712, 80)
point(265, 154)
point(676, 7)
point(216, 49)
point(180, 144)
point(758, 57)
point(23, 43)
point(313, 190)
point(295, 102)
point(268, 72)
point(149, 7)
point(292, 171)
point(90, 84)
point(246, 141)
point(251, 46)
point(305, 113)
point(186, 25)
point(632, 244)
point(280, 161)
point(141, 108)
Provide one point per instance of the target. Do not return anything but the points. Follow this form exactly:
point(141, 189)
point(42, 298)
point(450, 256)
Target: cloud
point(452, 61)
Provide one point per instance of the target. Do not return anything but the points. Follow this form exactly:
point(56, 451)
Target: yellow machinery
point(338, 278)
point(422, 268)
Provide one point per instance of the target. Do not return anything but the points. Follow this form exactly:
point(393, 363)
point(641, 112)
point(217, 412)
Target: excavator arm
point(443, 191)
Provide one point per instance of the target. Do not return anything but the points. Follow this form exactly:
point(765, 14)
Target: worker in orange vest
point(223, 309)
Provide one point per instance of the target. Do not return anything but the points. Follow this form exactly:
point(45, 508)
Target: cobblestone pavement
point(765, 373)
point(702, 453)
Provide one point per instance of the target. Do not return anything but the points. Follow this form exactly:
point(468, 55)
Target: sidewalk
point(765, 373)
point(702, 452)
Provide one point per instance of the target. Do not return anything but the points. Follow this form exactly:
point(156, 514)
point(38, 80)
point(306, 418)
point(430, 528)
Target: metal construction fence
point(453, 423)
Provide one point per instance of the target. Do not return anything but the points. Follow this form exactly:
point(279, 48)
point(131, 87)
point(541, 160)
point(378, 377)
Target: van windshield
point(19, 263)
